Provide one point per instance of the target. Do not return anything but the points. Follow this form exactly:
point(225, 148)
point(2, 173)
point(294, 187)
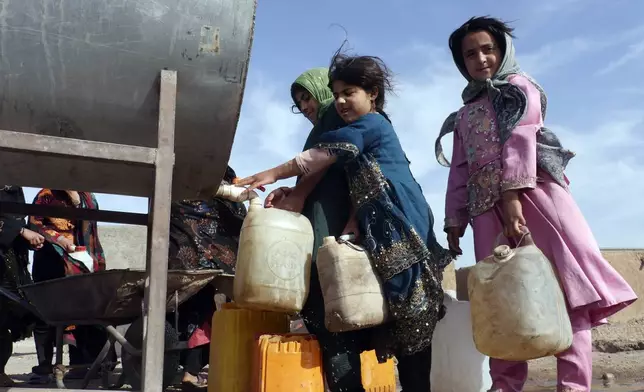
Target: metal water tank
point(89, 69)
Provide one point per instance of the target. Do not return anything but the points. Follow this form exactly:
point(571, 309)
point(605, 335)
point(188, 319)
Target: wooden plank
point(128, 218)
point(86, 149)
point(28, 389)
point(158, 239)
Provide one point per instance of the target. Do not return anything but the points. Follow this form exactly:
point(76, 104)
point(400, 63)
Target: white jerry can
point(457, 366)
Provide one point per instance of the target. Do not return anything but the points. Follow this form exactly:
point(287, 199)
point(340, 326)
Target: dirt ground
point(619, 352)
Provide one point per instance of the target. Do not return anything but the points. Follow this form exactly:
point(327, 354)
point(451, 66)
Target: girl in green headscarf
point(319, 200)
point(311, 97)
point(311, 93)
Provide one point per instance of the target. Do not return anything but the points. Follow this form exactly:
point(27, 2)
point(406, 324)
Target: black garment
point(47, 265)
point(193, 313)
point(194, 360)
point(414, 371)
point(15, 322)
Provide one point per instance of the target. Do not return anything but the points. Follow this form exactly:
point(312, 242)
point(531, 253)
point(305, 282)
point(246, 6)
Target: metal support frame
point(157, 219)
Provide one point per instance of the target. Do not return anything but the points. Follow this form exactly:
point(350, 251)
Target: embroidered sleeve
point(456, 214)
point(355, 138)
point(519, 154)
point(314, 160)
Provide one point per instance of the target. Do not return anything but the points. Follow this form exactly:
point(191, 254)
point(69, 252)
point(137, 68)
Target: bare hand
point(236, 180)
point(512, 215)
point(276, 196)
point(34, 239)
point(66, 244)
point(454, 235)
point(258, 180)
point(291, 203)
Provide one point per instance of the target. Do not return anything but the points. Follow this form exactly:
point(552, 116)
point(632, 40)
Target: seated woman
point(53, 261)
point(389, 212)
point(204, 234)
point(15, 242)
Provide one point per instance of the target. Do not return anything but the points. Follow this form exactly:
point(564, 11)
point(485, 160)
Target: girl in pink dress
point(507, 171)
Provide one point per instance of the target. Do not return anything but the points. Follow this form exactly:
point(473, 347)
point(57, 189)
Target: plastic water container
point(233, 335)
point(289, 362)
point(457, 366)
point(517, 305)
point(377, 377)
point(351, 288)
point(274, 260)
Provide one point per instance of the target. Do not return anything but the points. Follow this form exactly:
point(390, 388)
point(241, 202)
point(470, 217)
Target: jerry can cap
point(502, 252)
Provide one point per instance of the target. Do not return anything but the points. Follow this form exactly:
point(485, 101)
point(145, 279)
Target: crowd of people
point(507, 171)
point(204, 234)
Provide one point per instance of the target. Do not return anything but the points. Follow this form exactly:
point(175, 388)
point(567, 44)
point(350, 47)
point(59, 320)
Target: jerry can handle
point(347, 237)
point(526, 237)
point(348, 240)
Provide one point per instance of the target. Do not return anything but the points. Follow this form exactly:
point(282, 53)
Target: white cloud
point(555, 55)
point(560, 53)
point(267, 124)
point(635, 51)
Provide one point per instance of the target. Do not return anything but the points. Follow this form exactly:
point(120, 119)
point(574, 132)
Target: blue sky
point(587, 54)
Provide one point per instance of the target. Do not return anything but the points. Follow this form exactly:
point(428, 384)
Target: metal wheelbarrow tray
point(112, 298)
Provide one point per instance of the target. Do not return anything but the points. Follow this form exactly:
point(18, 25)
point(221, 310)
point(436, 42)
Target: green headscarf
point(316, 82)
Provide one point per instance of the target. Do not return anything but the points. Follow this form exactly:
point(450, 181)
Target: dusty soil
point(627, 367)
point(619, 350)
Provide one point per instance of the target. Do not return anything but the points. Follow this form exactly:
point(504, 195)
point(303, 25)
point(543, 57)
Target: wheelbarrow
point(113, 298)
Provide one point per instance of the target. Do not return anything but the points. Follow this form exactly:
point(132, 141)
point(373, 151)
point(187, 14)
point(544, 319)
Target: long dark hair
point(367, 72)
point(496, 27)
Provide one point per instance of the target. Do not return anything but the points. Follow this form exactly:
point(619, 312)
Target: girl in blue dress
point(390, 215)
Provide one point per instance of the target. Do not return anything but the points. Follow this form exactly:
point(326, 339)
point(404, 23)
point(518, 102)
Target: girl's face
point(352, 102)
point(482, 55)
point(307, 105)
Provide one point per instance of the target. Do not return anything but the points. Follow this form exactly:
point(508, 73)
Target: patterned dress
point(484, 165)
point(395, 223)
point(483, 168)
point(204, 234)
point(81, 233)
